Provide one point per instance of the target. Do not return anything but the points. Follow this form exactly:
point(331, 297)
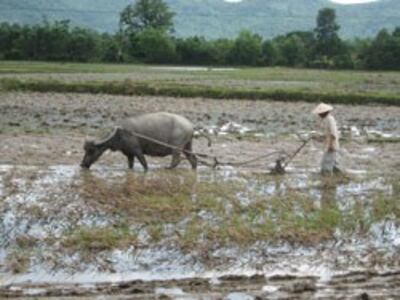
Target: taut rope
point(283, 161)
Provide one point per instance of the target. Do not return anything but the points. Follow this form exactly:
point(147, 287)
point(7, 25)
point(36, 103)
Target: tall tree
point(155, 46)
point(294, 48)
point(246, 49)
point(270, 53)
point(194, 50)
point(396, 32)
point(384, 52)
point(327, 39)
point(147, 14)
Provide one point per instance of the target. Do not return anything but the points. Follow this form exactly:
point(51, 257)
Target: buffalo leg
point(142, 160)
point(190, 156)
point(176, 159)
point(131, 161)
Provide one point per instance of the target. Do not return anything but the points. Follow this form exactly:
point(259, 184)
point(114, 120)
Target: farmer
point(329, 161)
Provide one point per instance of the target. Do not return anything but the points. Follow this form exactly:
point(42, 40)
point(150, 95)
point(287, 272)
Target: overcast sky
point(337, 1)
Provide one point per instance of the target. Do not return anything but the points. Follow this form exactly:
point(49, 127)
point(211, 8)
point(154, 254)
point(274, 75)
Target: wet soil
point(50, 128)
point(354, 285)
point(45, 132)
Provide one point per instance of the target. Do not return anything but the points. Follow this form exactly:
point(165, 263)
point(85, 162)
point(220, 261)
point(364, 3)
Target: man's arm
point(331, 142)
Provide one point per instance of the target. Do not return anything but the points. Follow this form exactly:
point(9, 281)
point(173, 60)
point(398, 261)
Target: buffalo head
point(92, 154)
point(94, 149)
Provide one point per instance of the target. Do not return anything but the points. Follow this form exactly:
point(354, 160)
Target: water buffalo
point(164, 127)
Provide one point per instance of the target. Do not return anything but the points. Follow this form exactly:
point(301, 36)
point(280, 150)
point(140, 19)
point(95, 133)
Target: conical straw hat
point(322, 108)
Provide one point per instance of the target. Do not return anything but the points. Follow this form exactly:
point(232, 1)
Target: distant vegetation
point(146, 35)
point(213, 19)
point(283, 84)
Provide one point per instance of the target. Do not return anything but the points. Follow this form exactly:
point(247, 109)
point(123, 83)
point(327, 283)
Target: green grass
point(176, 209)
point(181, 202)
point(283, 84)
point(18, 260)
point(185, 91)
point(95, 239)
point(252, 74)
point(28, 67)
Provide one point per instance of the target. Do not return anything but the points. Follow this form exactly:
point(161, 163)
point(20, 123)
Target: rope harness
point(280, 164)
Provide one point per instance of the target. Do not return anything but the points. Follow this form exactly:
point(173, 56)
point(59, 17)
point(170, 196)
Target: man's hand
point(318, 137)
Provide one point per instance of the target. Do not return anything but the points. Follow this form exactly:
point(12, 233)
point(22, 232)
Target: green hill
point(214, 18)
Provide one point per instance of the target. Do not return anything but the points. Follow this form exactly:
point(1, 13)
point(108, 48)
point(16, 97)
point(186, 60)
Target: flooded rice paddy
point(45, 212)
point(230, 233)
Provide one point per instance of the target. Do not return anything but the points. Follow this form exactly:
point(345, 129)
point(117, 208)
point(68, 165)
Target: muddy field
point(214, 234)
point(50, 128)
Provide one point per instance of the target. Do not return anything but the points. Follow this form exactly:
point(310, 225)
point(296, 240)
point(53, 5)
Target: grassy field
point(283, 84)
point(22, 67)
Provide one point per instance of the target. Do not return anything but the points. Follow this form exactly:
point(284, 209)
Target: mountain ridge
point(214, 18)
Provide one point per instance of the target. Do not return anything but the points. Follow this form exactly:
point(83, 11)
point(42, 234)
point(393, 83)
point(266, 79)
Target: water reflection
point(329, 187)
point(64, 196)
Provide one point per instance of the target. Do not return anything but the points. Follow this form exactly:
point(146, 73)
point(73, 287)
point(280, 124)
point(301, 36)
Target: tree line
point(146, 34)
